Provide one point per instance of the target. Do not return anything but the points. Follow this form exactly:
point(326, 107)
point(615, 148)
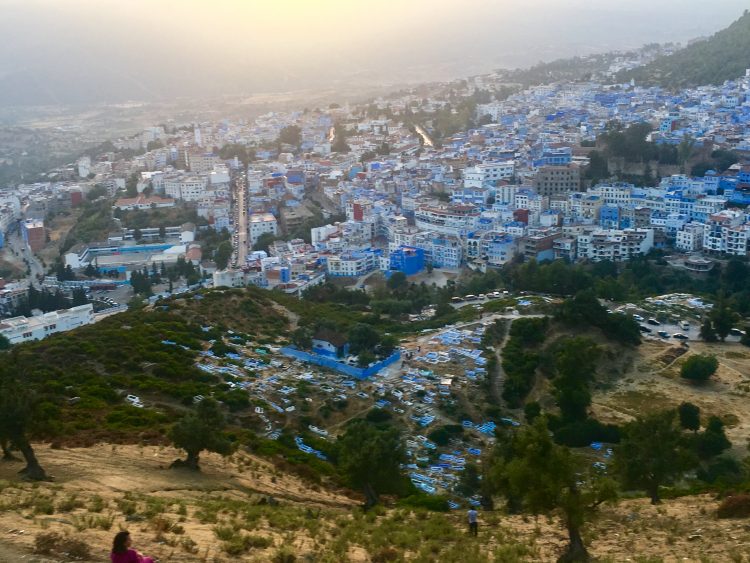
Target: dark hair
point(118, 545)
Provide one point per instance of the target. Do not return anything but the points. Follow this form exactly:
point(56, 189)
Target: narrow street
point(16, 245)
point(241, 248)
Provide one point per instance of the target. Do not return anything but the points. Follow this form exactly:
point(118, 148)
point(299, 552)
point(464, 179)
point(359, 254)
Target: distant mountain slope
point(723, 56)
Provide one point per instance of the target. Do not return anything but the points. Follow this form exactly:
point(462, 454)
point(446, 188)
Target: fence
point(330, 363)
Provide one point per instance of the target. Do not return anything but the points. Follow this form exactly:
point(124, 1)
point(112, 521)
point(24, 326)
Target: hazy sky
point(89, 50)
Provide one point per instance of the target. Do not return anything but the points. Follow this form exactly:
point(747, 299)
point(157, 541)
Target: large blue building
point(407, 259)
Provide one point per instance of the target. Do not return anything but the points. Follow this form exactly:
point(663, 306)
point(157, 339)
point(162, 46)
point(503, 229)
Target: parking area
point(675, 316)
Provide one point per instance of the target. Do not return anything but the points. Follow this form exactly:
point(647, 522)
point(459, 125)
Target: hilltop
point(723, 56)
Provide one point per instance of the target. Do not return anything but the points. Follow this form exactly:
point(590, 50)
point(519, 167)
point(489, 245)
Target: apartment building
point(34, 234)
point(554, 180)
point(24, 329)
point(614, 244)
point(185, 187)
point(262, 223)
point(447, 220)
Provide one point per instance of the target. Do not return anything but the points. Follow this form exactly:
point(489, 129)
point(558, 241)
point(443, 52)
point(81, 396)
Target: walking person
point(473, 524)
point(122, 553)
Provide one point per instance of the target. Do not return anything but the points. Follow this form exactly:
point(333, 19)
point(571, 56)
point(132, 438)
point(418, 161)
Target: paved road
point(16, 242)
point(241, 247)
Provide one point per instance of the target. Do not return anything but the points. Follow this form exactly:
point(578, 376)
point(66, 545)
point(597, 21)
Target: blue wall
point(330, 363)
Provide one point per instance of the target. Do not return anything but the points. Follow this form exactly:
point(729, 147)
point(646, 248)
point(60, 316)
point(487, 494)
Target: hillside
point(582, 365)
point(574, 69)
point(723, 56)
point(82, 376)
point(186, 517)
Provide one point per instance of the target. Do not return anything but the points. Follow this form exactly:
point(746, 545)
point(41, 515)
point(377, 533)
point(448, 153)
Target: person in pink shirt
point(121, 552)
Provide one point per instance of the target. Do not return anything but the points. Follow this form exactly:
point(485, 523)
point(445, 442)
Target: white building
point(185, 187)
point(351, 264)
point(262, 223)
point(476, 176)
point(690, 238)
point(454, 220)
point(614, 244)
point(23, 329)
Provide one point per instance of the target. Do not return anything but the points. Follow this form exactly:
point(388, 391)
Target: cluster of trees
point(290, 135)
point(94, 223)
point(47, 301)
point(246, 155)
point(37, 380)
point(365, 341)
point(633, 280)
point(720, 161)
point(574, 69)
point(142, 281)
point(631, 145)
point(574, 364)
point(64, 273)
point(384, 149)
point(339, 139)
point(159, 217)
point(521, 358)
point(539, 476)
point(719, 322)
point(699, 367)
point(584, 309)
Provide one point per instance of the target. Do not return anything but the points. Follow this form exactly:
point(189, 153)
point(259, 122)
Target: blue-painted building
point(330, 344)
point(407, 259)
point(609, 217)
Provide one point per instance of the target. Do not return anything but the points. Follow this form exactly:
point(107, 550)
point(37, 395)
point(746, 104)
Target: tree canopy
point(545, 478)
point(199, 430)
point(699, 367)
point(370, 458)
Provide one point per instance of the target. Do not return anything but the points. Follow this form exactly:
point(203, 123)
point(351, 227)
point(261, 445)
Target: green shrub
point(699, 368)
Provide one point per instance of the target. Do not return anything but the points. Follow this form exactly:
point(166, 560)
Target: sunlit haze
point(104, 50)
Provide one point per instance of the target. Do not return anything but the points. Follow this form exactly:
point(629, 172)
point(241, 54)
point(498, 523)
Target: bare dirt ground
point(110, 472)
point(684, 529)
point(653, 383)
point(57, 230)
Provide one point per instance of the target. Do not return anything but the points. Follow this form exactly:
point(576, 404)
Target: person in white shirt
point(473, 525)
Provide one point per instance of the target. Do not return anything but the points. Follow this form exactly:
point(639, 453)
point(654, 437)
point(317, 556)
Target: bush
point(736, 506)
point(284, 555)
point(46, 543)
point(699, 367)
point(430, 502)
point(52, 543)
point(581, 433)
point(385, 554)
point(724, 470)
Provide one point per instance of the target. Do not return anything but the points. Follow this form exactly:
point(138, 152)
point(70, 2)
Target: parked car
point(653, 322)
point(679, 336)
point(663, 334)
point(644, 328)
